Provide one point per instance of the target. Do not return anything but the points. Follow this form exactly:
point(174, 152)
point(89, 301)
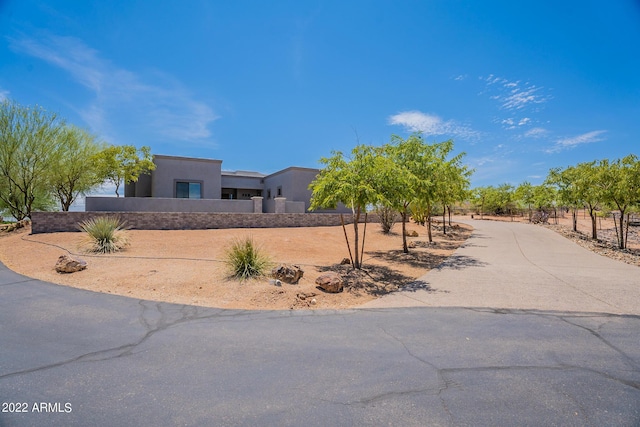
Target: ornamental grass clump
point(104, 234)
point(245, 259)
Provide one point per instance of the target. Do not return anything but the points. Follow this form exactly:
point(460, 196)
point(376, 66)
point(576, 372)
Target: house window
point(188, 190)
point(268, 193)
point(279, 191)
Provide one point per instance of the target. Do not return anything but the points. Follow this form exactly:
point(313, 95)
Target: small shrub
point(245, 259)
point(105, 234)
point(387, 218)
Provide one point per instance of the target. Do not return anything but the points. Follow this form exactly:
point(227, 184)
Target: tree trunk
point(429, 227)
point(444, 224)
point(449, 211)
point(364, 236)
point(356, 219)
point(626, 231)
point(594, 228)
point(622, 242)
point(574, 217)
point(347, 239)
point(405, 248)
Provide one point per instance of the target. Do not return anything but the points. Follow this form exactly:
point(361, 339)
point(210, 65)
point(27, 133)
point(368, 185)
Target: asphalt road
point(70, 357)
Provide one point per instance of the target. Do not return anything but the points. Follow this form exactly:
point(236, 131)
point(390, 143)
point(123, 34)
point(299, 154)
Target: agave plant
point(245, 259)
point(105, 234)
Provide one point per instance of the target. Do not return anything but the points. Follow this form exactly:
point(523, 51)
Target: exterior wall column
point(257, 204)
point(281, 206)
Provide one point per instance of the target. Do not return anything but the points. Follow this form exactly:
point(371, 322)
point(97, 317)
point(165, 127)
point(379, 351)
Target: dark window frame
point(189, 182)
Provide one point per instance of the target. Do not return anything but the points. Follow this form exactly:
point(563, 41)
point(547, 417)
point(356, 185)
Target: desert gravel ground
point(186, 266)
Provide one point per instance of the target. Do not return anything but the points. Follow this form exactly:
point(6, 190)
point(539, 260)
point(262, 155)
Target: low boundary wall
point(51, 222)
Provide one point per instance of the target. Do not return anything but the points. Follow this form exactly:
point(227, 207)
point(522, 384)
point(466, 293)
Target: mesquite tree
point(350, 181)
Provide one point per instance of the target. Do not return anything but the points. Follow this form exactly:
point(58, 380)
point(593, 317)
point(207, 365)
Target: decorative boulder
point(287, 273)
point(330, 282)
point(412, 233)
point(67, 264)
point(345, 261)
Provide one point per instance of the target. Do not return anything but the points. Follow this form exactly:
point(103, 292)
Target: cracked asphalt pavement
point(102, 360)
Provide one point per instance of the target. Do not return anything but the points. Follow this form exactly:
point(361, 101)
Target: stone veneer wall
point(51, 222)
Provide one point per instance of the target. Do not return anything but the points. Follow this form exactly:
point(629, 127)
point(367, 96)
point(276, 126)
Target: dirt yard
point(187, 267)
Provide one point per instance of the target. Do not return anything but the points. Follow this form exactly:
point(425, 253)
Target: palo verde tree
point(620, 182)
point(588, 179)
point(452, 184)
point(418, 176)
point(524, 195)
point(568, 189)
point(403, 178)
point(480, 196)
point(352, 182)
point(123, 164)
point(74, 168)
point(28, 143)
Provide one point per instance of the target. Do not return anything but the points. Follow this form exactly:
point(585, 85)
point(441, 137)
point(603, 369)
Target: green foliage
point(407, 176)
point(245, 259)
point(28, 145)
point(74, 168)
point(524, 196)
point(620, 184)
point(105, 234)
point(494, 200)
point(124, 164)
point(351, 181)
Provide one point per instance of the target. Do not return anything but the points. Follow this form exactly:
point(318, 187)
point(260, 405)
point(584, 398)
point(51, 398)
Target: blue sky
point(519, 86)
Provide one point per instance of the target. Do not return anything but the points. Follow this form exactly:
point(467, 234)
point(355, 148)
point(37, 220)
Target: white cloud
point(512, 123)
point(571, 142)
point(460, 77)
point(515, 95)
point(429, 124)
point(4, 95)
point(536, 133)
point(164, 108)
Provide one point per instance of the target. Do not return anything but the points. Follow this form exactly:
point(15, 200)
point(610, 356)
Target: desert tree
point(524, 194)
point(352, 182)
point(452, 184)
point(28, 143)
point(123, 164)
point(74, 168)
point(404, 177)
point(620, 181)
point(588, 178)
point(480, 196)
point(566, 190)
point(544, 199)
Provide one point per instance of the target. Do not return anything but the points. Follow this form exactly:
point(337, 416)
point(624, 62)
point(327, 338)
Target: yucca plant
point(245, 259)
point(105, 234)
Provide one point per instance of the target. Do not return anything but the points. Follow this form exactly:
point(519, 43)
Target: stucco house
point(187, 184)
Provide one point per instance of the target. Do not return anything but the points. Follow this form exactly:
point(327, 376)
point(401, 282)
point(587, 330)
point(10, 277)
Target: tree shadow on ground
point(459, 262)
point(375, 280)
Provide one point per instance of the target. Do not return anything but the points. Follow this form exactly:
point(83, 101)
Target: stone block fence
point(51, 222)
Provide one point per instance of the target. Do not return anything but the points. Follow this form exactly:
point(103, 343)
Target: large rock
point(66, 264)
point(287, 273)
point(330, 282)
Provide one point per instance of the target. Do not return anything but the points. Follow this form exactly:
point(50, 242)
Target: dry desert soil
point(187, 266)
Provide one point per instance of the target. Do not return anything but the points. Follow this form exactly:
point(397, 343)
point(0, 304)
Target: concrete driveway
point(516, 265)
point(71, 357)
